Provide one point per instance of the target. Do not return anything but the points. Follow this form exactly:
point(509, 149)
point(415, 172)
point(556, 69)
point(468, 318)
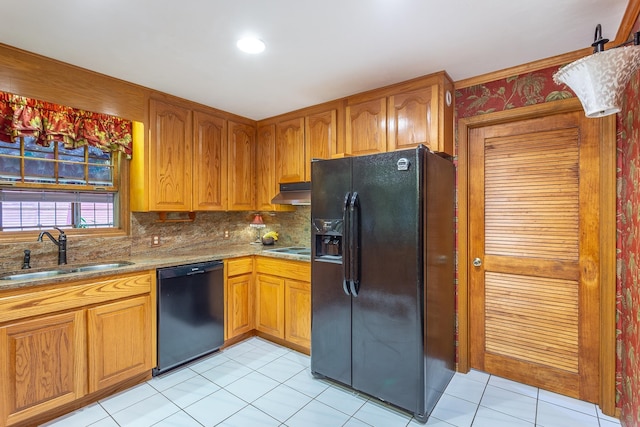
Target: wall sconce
point(599, 79)
point(258, 224)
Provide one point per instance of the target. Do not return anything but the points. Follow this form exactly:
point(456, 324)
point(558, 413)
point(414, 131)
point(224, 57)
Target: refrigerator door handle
point(354, 244)
point(346, 231)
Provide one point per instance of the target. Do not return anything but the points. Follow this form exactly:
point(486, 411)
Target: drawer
point(297, 270)
point(236, 266)
point(73, 295)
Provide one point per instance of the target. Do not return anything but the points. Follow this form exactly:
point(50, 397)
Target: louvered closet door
point(533, 226)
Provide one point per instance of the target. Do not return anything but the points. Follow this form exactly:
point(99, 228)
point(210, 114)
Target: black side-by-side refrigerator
point(382, 275)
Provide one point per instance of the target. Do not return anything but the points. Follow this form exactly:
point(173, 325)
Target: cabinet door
point(240, 305)
point(170, 168)
point(413, 119)
point(42, 365)
point(119, 337)
point(269, 305)
point(266, 185)
point(290, 151)
point(297, 317)
point(320, 138)
point(209, 162)
point(366, 127)
point(241, 166)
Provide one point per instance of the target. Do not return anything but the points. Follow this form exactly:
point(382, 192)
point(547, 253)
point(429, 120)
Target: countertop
point(151, 262)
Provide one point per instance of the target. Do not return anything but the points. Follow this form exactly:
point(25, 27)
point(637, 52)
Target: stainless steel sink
point(98, 267)
point(34, 275)
point(291, 250)
point(52, 273)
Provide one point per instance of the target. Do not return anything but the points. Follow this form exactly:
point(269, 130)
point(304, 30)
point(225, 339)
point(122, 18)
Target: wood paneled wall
point(35, 76)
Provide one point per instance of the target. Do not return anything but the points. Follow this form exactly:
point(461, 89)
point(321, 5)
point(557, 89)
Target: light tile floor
point(257, 383)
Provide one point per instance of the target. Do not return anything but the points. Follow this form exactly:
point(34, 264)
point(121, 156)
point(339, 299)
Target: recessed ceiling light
point(250, 45)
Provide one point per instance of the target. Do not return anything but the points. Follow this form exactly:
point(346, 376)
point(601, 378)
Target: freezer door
point(330, 304)
point(387, 313)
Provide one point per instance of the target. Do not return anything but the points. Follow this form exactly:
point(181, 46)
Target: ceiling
point(316, 50)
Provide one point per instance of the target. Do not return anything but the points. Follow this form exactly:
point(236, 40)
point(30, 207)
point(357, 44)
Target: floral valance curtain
point(46, 122)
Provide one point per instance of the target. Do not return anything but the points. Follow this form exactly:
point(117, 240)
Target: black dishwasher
point(190, 313)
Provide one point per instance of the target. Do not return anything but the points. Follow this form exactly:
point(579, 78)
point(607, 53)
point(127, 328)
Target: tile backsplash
point(206, 232)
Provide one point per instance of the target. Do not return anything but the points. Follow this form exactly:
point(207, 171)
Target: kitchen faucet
point(61, 243)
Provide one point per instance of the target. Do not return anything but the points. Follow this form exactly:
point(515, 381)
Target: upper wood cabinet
point(209, 162)
point(409, 119)
point(320, 137)
point(422, 116)
point(170, 157)
point(194, 160)
point(290, 157)
point(242, 139)
point(266, 185)
point(285, 148)
point(366, 127)
point(401, 116)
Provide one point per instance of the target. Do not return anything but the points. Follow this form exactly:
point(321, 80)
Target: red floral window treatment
point(46, 122)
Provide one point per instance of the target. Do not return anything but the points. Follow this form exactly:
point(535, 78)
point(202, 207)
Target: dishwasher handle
point(191, 273)
point(189, 269)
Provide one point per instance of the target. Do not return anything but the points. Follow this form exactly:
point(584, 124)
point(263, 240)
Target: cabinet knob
point(477, 262)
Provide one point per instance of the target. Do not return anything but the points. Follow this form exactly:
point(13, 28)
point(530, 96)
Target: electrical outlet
point(226, 234)
point(155, 240)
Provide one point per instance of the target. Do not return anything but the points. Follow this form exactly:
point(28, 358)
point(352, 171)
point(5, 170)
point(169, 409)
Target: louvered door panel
point(533, 319)
point(531, 195)
point(534, 288)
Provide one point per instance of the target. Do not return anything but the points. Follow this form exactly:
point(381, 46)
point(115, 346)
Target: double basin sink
point(52, 273)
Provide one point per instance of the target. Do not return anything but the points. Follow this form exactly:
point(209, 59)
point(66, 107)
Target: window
point(51, 186)
point(35, 210)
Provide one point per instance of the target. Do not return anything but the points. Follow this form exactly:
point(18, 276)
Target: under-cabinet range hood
point(293, 193)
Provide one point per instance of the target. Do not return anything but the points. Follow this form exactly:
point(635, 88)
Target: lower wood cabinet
point(43, 365)
point(239, 297)
point(283, 294)
point(270, 305)
point(119, 341)
point(297, 314)
point(59, 344)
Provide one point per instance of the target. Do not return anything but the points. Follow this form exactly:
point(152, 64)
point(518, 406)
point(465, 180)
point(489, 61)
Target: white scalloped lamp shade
point(599, 79)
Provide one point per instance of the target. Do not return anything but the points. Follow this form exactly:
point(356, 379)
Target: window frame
point(121, 201)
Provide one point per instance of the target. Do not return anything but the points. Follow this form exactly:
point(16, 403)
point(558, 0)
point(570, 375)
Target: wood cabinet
point(59, 344)
point(285, 148)
point(366, 127)
point(283, 300)
point(297, 315)
point(320, 137)
point(43, 365)
point(119, 341)
point(422, 116)
point(270, 305)
point(290, 156)
point(239, 297)
point(266, 184)
point(409, 118)
point(210, 162)
point(193, 160)
point(401, 116)
point(241, 162)
point(170, 156)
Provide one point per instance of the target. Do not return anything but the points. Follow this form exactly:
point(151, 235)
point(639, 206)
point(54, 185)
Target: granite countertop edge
point(150, 262)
